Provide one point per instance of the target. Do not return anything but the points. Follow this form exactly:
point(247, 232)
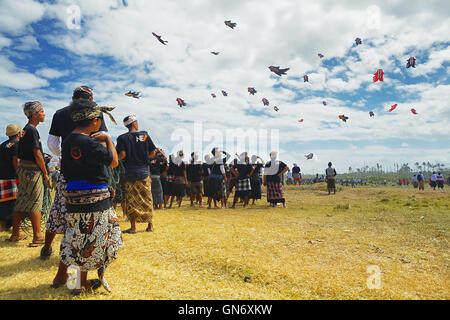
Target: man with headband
point(136, 148)
point(92, 236)
point(32, 173)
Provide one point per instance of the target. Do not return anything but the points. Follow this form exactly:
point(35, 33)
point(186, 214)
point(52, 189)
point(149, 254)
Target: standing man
point(9, 181)
point(421, 181)
point(32, 173)
point(330, 173)
point(433, 180)
point(440, 181)
point(296, 174)
point(136, 147)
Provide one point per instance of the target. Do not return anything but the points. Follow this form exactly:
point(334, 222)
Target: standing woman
point(92, 237)
point(164, 169)
point(218, 179)
point(330, 173)
point(273, 172)
point(206, 166)
point(180, 179)
point(243, 170)
point(156, 163)
point(194, 176)
point(255, 180)
point(32, 174)
point(9, 181)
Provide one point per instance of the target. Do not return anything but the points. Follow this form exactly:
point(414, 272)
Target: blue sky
point(45, 58)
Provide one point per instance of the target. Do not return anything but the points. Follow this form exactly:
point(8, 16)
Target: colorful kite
point(392, 108)
point(265, 101)
point(230, 24)
point(278, 71)
point(301, 120)
point(133, 94)
point(358, 41)
point(413, 111)
point(225, 94)
point(252, 91)
point(378, 76)
point(181, 102)
point(305, 78)
point(411, 62)
point(343, 118)
point(159, 38)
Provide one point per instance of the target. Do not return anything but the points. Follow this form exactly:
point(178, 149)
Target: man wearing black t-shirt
point(296, 174)
point(136, 147)
point(8, 176)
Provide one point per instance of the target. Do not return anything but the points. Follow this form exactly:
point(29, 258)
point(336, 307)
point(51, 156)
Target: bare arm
point(39, 157)
point(15, 162)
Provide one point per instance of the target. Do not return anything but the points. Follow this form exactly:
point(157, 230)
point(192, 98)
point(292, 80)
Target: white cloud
point(50, 73)
point(13, 77)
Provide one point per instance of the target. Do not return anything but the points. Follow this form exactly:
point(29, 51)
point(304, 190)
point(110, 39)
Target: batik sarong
point(138, 198)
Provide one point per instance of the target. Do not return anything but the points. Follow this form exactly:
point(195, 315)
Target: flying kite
point(224, 93)
point(413, 111)
point(230, 24)
point(309, 156)
point(358, 41)
point(276, 108)
point(378, 76)
point(320, 55)
point(215, 53)
point(305, 78)
point(213, 95)
point(181, 102)
point(411, 62)
point(324, 103)
point(133, 94)
point(159, 39)
point(371, 114)
point(392, 108)
point(343, 118)
point(301, 120)
point(252, 91)
point(265, 101)
point(278, 71)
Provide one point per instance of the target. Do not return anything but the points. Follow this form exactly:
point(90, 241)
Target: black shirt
point(8, 150)
point(178, 170)
point(138, 146)
point(84, 158)
point(62, 124)
point(157, 165)
point(205, 168)
point(275, 177)
point(194, 172)
point(29, 141)
point(243, 170)
point(296, 169)
point(256, 173)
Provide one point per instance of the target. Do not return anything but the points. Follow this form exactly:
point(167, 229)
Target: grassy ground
point(318, 248)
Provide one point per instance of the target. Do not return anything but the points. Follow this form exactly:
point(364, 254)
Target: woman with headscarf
point(195, 177)
point(32, 173)
point(9, 180)
point(157, 164)
point(218, 178)
point(180, 178)
point(243, 170)
point(92, 237)
point(273, 172)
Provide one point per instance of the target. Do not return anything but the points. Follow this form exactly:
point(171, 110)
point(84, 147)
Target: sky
point(48, 48)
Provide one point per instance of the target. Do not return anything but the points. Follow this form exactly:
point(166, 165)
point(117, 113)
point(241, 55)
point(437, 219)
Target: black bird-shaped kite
point(252, 91)
point(305, 78)
point(159, 39)
point(224, 93)
point(215, 53)
point(213, 95)
point(320, 55)
point(358, 41)
point(265, 101)
point(230, 24)
point(133, 94)
point(276, 108)
point(372, 114)
point(411, 62)
point(324, 103)
point(181, 102)
point(278, 71)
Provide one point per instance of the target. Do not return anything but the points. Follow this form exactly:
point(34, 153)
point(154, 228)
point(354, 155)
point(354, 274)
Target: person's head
point(180, 154)
point(34, 111)
point(434, 172)
point(439, 173)
point(273, 155)
point(86, 114)
point(83, 92)
point(131, 122)
point(254, 158)
point(194, 157)
point(329, 164)
point(12, 131)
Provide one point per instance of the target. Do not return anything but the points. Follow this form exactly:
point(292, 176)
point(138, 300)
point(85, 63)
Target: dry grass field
point(318, 248)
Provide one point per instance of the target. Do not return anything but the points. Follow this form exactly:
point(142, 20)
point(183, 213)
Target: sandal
point(37, 243)
point(149, 229)
point(16, 238)
point(46, 253)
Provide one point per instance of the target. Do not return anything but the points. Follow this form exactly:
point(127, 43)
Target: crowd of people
point(96, 175)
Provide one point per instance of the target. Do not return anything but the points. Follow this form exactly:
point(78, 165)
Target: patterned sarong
point(56, 222)
point(157, 190)
point(243, 188)
point(275, 192)
point(138, 197)
point(30, 193)
point(91, 240)
point(8, 189)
